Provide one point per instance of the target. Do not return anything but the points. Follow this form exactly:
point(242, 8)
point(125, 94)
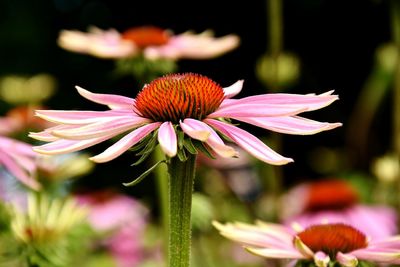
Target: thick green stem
point(180, 204)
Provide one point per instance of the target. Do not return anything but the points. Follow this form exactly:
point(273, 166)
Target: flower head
point(152, 42)
point(321, 243)
point(183, 112)
point(19, 160)
point(336, 201)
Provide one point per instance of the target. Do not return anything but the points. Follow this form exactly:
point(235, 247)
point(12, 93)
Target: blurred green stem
point(395, 20)
point(163, 200)
point(275, 36)
point(181, 180)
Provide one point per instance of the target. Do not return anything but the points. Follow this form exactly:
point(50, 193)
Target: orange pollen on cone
point(175, 97)
point(146, 36)
point(331, 194)
point(333, 238)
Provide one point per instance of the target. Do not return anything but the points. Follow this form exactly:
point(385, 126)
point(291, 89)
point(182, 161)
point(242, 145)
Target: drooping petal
point(112, 101)
point(234, 89)
point(125, 143)
point(18, 172)
point(309, 101)
point(194, 129)
point(81, 117)
point(289, 124)
point(321, 259)
point(378, 255)
point(302, 248)
point(256, 110)
point(346, 260)
point(63, 146)
point(249, 142)
point(256, 236)
point(17, 146)
point(167, 139)
point(101, 128)
point(199, 130)
point(276, 253)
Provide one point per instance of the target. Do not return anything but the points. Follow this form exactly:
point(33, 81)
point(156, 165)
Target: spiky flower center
point(331, 194)
point(333, 238)
point(146, 36)
point(175, 97)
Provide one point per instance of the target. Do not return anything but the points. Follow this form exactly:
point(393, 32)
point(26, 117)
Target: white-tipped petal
point(167, 139)
point(321, 259)
point(112, 101)
point(300, 246)
point(194, 129)
point(346, 260)
point(234, 89)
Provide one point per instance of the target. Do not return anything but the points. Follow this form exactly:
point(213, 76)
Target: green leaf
point(149, 146)
point(181, 139)
point(189, 146)
point(141, 159)
point(182, 155)
point(200, 146)
point(144, 175)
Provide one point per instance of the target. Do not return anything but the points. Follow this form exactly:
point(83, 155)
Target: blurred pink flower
point(122, 216)
point(19, 160)
point(321, 244)
point(336, 201)
point(22, 118)
point(152, 42)
point(188, 103)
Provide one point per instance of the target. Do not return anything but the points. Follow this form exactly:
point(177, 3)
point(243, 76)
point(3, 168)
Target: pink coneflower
point(123, 218)
point(18, 159)
point(151, 41)
point(320, 244)
point(179, 104)
point(336, 201)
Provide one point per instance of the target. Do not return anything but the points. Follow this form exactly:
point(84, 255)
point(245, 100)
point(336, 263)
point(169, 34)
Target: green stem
point(162, 188)
point(180, 204)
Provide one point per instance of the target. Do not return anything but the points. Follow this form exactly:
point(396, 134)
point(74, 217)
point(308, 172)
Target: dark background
point(335, 41)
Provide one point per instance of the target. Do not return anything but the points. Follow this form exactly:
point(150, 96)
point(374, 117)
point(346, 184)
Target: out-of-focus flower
point(176, 105)
point(336, 201)
point(46, 219)
point(22, 118)
point(321, 244)
point(19, 160)
point(45, 228)
point(152, 42)
point(18, 90)
point(124, 220)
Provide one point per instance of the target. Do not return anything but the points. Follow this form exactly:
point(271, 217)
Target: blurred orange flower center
point(175, 97)
point(331, 194)
point(146, 36)
point(333, 238)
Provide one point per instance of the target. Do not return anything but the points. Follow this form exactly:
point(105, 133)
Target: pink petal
point(101, 128)
point(16, 146)
point(18, 172)
point(63, 146)
point(81, 117)
point(112, 101)
point(346, 260)
point(276, 253)
point(234, 89)
point(289, 124)
point(249, 142)
point(302, 248)
point(125, 143)
point(321, 259)
point(250, 109)
point(167, 139)
point(378, 255)
point(256, 236)
point(196, 129)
